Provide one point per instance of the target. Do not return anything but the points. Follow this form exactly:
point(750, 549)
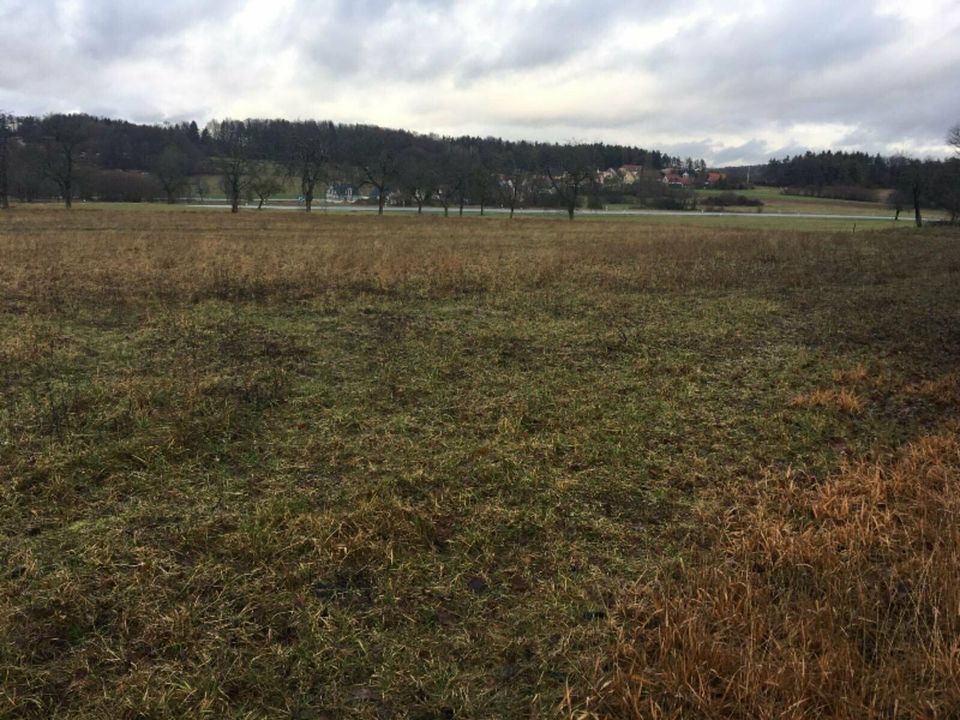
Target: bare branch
point(953, 138)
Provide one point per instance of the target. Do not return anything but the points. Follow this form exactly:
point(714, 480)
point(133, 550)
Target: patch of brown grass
point(943, 390)
point(120, 258)
point(842, 400)
point(839, 600)
point(857, 374)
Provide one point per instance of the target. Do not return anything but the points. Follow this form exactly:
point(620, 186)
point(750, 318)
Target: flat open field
point(272, 465)
point(733, 219)
point(775, 201)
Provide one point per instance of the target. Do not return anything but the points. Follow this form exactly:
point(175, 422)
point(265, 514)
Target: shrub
point(835, 192)
point(732, 200)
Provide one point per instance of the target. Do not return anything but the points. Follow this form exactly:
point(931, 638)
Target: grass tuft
point(841, 400)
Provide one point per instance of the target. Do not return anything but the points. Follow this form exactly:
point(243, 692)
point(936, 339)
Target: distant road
point(317, 208)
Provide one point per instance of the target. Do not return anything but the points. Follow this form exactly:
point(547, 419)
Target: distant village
point(672, 176)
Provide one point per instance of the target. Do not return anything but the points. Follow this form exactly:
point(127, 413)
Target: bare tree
point(570, 170)
point(233, 180)
point(451, 177)
point(946, 187)
point(379, 169)
point(896, 201)
point(446, 191)
point(515, 184)
point(201, 189)
point(172, 168)
point(950, 182)
point(264, 182)
point(917, 182)
point(234, 163)
point(482, 183)
point(309, 155)
point(511, 189)
point(5, 136)
point(462, 176)
point(418, 176)
point(64, 134)
point(375, 155)
point(378, 172)
point(911, 178)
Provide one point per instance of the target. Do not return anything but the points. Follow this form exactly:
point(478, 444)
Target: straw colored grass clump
point(837, 599)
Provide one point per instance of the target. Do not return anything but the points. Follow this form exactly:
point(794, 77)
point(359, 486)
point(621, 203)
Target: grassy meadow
point(775, 201)
point(275, 465)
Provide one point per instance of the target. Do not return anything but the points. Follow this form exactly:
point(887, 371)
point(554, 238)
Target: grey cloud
point(696, 150)
point(763, 58)
point(786, 66)
point(377, 40)
point(753, 152)
point(744, 153)
point(416, 40)
point(551, 33)
point(423, 39)
point(544, 35)
point(737, 74)
point(31, 41)
point(106, 29)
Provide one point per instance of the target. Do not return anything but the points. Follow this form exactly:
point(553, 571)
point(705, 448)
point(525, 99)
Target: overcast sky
point(732, 82)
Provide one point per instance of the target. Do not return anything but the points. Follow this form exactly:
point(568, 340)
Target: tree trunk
point(68, 181)
point(461, 206)
point(571, 209)
point(380, 201)
point(4, 175)
point(260, 206)
point(308, 200)
point(916, 207)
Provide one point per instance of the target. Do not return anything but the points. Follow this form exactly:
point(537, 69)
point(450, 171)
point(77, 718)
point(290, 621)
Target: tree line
point(912, 183)
point(82, 156)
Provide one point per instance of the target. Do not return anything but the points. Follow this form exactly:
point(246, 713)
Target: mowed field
point(274, 465)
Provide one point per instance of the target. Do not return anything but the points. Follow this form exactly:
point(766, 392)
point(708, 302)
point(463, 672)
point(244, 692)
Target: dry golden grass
point(842, 400)
point(943, 390)
point(838, 599)
point(118, 257)
point(856, 374)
